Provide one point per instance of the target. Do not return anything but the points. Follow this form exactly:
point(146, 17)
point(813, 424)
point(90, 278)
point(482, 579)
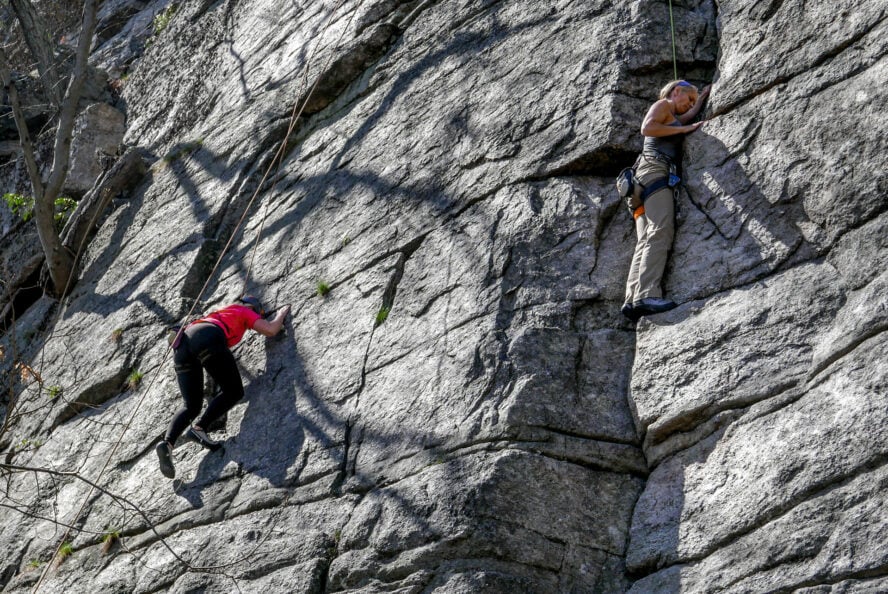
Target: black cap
point(253, 303)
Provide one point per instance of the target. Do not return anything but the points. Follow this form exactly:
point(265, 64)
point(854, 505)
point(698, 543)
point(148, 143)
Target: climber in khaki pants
point(655, 229)
point(663, 129)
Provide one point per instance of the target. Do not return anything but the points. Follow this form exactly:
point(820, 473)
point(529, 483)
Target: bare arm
point(659, 116)
point(271, 328)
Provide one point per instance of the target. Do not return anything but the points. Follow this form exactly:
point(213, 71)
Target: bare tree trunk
point(59, 260)
point(62, 149)
point(20, 123)
point(42, 48)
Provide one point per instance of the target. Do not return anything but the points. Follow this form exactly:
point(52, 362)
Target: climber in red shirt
point(206, 344)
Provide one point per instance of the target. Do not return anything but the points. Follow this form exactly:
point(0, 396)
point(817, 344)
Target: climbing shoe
point(652, 305)
point(629, 311)
point(219, 424)
point(200, 437)
point(165, 457)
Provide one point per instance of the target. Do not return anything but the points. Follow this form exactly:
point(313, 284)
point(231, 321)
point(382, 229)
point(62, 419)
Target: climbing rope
point(278, 158)
point(672, 28)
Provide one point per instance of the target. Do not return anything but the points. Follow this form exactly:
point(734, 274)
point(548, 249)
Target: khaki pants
point(655, 230)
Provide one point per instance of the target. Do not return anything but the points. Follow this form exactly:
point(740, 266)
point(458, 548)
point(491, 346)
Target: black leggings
point(203, 346)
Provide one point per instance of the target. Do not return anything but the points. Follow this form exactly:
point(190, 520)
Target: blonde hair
point(684, 85)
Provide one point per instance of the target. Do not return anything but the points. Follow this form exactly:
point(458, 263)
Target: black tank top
point(668, 146)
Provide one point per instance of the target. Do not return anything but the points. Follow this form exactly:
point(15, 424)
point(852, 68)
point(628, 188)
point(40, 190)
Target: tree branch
point(19, 116)
point(34, 32)
point(59, 260)
point(62, 152)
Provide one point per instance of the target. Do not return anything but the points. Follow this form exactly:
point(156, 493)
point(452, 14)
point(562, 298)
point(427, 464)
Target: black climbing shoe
point(652, 305)
point(165, 457)
point(219, 424)
point(198, 436)
point(629, 311)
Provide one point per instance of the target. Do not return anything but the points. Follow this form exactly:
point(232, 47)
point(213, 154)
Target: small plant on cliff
point(54, 392)
point(162, 19)
point(65, 551)
point(108, 540)
point(134, 379)
point(64, 206)
point(116, 335)
point(382, 315)
point(181, 150)
point(34, 563)
point(22, 206)
point(323, 288)
point(29, 444)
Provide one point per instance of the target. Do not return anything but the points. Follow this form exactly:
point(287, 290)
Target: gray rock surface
point(465, 410)
point(98, 132)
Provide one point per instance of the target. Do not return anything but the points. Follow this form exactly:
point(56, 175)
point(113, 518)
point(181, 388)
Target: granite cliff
point(464, 409)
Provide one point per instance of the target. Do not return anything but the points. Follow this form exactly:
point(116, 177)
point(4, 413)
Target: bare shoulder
point(660, 111)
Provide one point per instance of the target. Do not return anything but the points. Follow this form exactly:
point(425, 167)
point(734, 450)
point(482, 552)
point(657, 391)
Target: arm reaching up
point(271, 328)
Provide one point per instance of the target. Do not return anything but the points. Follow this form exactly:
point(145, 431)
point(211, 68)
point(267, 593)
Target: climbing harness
point(635, 193)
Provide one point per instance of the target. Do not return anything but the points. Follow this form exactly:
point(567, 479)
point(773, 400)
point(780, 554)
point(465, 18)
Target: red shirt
point(234, 321)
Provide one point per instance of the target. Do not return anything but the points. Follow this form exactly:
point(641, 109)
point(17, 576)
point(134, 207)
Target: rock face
point(465, 410)
point(98, 131)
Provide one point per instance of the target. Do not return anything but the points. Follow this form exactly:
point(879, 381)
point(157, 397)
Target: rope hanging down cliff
point(672, 28)
point(297, 112)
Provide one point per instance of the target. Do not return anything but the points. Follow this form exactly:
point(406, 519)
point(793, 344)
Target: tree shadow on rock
point(735, 228)
point(270, 437)
point(271, 434)
point(730, 232)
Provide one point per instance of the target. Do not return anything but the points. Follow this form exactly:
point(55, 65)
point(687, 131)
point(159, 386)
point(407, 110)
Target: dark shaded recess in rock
point(25, 292)
point(342, 472)
point(217, 231)
point(323, 570)
point(200, 270)
point(37, 115)
point(35, 121)
point(388, 296)
point(354, 61)
point(93, 396)
point(604, 162)
point(8, 572)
